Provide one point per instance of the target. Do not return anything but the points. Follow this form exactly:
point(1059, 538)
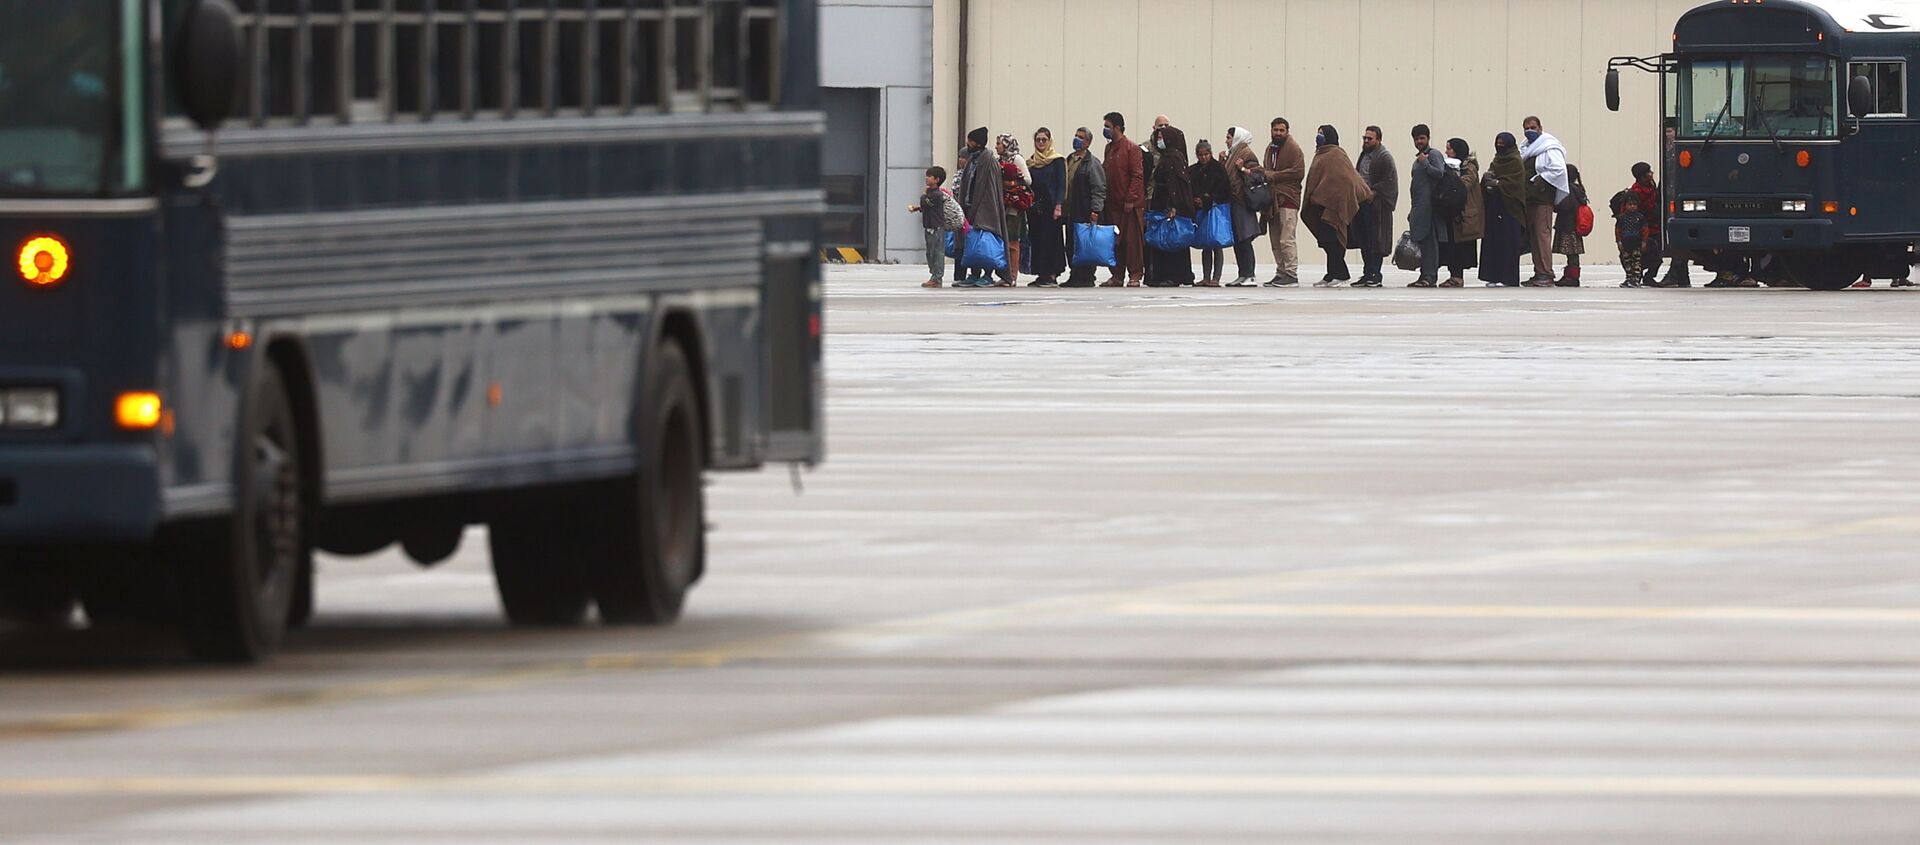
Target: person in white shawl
point(1547, 186)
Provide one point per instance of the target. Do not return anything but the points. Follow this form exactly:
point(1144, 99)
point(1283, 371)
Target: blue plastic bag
point(1215, 229)
point(1093, 245)
point(953, 246)
point(1168, 233)
point(985, 251)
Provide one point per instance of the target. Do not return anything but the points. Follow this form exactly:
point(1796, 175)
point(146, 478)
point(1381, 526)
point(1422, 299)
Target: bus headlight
point(1793, 205)
point(1693, 206)
point(30, 407)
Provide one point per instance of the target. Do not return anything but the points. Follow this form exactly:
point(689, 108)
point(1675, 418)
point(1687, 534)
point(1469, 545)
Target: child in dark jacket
point(1629, 235)
point(937, 210)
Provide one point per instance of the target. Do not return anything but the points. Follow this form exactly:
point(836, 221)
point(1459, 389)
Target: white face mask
point(1160, 144)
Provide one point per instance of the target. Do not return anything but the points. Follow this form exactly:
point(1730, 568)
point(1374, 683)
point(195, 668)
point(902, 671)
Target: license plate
point(1739, 235)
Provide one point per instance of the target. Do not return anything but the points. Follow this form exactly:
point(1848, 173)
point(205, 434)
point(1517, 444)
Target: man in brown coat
point(1285, 166)
point(1126, 203)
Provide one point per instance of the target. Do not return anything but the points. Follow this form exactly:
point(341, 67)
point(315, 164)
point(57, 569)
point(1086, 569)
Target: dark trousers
point(1077, 276)
point(1336, 253)
point(1368, 226)
point(1243, 256)
point(1430, 255)
point(1212, 264)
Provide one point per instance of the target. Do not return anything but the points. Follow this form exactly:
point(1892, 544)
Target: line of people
point(1529, 201)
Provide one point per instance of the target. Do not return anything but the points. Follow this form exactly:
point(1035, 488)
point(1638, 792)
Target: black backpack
point(1450, 196)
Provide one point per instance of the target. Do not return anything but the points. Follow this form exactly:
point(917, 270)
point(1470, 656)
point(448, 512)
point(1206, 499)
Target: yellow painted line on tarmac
point(1905, 615)
point(978, 785)
point(893, 635)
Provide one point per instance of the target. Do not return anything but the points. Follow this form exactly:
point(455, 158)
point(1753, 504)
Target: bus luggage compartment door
point(791, 314)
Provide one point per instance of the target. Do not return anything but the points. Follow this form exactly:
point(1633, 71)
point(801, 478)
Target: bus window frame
point(1744, 108)
point(1905, 86)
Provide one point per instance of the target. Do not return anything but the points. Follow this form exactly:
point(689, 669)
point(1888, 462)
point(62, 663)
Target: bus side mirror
point(1613, 89)
point(1860, 96)
point(206, 65)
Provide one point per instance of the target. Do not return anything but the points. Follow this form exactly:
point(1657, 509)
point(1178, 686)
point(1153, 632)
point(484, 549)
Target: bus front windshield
point(61, 114)
point(1785, 96)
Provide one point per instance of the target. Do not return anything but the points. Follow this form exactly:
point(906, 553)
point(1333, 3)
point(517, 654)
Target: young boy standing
point(1630, 236)
point(936, 210)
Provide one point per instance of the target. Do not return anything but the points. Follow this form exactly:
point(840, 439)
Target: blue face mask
point(1533, 135)
point(1319, 140)
point(1107, 133)
point(1079, 143)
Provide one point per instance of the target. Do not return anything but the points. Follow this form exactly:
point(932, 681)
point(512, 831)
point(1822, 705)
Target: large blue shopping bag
point(1169, 233)
point(985, 251)
point(1093, 245)
point(953, 243)
point(1215, 229)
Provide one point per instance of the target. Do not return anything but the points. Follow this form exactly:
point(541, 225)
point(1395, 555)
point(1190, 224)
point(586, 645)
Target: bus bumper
point(1763, 235)
point(78, 494)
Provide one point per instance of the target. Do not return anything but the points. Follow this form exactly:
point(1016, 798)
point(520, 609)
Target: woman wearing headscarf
point(1462, 253)
point(1013, 170)
point(1173, 195)
point(1239, 159)
point(1332, 198)
point(1504, 202)
point(1210, 188)
point(1046, 221)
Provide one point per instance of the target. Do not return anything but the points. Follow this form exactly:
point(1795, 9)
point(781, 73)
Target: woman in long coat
point(1172, 194)
point(1046, 221)
point(1240, 158)
point(1504, 239)
point(1333, 197)
point(1462, 253)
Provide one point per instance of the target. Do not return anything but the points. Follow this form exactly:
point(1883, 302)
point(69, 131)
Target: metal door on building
point(848, 168)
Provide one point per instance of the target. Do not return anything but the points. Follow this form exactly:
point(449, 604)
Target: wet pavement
point(1591, 565)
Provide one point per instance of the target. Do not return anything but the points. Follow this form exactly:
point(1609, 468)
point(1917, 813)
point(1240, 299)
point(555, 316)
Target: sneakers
point(1863, 284)
point(1632, 283)
point(1242, 282)
point(1538, 282)
point(1362, 282)
point(1326, 282)
point(1903, 283)
point(1283, 281)
point(1422, 283)
point(1044, 282)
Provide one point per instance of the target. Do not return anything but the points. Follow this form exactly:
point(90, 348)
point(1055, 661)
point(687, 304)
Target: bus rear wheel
point(537, 567)
point(1822, 270)
point(237, 576)
point(652, 534)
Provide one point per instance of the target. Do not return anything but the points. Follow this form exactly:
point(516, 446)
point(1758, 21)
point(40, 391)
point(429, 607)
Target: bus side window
point(687, 23)
point(649, 56)
point(1889, 86)
point(763, 54)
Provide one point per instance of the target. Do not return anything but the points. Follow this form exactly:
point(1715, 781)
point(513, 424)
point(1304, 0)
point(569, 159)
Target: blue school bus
point(1796, 142)
point(339, 274)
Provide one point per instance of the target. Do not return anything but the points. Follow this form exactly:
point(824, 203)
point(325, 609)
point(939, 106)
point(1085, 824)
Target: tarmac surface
point(1591, 565)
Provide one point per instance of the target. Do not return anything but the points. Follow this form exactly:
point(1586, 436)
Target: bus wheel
point(1823, 270)
point(537, 566)
point(33, 593)
point(652, 545)
point(238, 576)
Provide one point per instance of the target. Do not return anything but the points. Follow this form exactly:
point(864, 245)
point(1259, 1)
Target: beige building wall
point(1469, 68)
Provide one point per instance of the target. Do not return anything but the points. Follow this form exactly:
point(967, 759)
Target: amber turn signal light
point(1803, 158)
point(138, 411)
point(44, 261)
point(1830, 207)
point(1686, 158)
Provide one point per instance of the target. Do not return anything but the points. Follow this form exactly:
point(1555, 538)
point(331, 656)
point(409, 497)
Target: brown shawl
point(1334, 192)
point(1284, 168)
point(1512, 173)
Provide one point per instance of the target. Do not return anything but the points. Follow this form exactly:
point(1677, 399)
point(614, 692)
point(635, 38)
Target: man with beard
point(1284, 166)
point(1378, 170)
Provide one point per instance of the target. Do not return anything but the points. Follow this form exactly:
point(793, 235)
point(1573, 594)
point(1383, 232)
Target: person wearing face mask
point(1172, 196)
point(1285, 166)
point(1423, 221)
point(1086, 198)
point(1382, 176)
point(1334, 196)
point(1504, 237)
point(1126, 203)
point(1240, 160)
point(982, 197)
point(1045, 221)
point(1547, 187)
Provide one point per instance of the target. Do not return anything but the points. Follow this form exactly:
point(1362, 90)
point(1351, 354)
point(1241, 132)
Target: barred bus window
point(649, 55)
point(763, 45)
point(280, 61)
point(326, 64)
point(371, 47)
point(409, 57)
point(247, 93)
point(689, 54)
point(530, 56)
point(452, 63)
point(726, 26)
point(490, 57)
point(572, 54)
point(611, 53)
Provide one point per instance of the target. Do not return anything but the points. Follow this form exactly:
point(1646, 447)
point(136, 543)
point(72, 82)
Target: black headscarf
point(978, 136)
point(1332, 135)
point(1172, 183)
point(1460, 148)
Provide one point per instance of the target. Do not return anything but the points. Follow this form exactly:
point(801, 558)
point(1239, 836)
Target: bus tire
point(537, 568)
point(238, 576)
point(652, 543)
